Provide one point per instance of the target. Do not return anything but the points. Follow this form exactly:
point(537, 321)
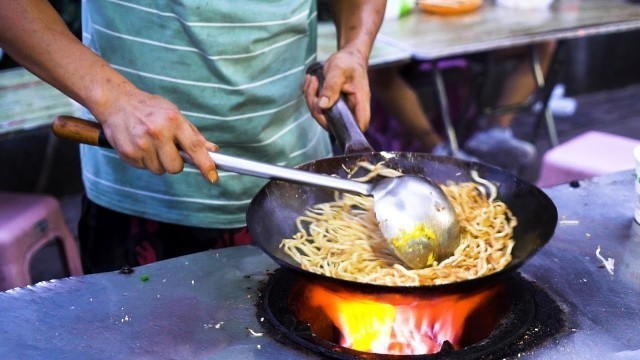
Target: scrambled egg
point(420, 231)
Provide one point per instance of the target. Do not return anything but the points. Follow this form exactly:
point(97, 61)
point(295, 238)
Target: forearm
point(357, 23)
point(32, 32)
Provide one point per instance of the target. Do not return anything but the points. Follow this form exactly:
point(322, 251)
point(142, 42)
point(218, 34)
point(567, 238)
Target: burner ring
point(524, 314)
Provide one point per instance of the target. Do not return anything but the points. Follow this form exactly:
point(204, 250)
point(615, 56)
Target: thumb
point(330, 91)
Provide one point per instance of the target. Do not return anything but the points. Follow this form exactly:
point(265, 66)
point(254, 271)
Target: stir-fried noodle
point(341, 239)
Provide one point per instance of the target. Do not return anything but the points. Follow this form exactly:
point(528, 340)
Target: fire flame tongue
point(392, 324)
point(365, 326)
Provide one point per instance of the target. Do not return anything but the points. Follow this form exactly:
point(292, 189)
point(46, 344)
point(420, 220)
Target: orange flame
point(398, 324)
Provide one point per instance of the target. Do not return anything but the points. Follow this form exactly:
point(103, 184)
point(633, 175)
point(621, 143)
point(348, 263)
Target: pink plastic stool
point(590, 154)
point(27, 223)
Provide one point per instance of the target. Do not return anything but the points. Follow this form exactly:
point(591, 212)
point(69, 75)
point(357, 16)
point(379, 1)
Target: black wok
point(273, 211)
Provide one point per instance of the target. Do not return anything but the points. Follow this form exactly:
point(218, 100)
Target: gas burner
point(511, 318)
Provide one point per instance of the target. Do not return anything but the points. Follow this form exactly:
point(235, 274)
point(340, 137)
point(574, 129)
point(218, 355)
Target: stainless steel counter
point(603, 310)
point(201, 306)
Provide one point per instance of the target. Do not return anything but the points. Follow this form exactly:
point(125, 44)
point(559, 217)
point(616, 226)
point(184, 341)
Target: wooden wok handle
point(341, 121)
point(79, 130)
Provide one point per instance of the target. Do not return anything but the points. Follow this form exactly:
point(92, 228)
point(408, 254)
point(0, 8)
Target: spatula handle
point(90, 133)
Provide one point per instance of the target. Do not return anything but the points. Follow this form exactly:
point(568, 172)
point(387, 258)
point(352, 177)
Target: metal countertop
point(202, 306)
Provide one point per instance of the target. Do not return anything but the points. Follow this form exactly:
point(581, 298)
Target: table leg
point(545, 88)
point(443, 102)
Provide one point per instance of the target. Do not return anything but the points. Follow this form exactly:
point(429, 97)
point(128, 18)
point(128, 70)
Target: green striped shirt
point(235, 69)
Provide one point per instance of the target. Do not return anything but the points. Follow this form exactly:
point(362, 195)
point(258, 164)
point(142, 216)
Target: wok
point(273, 211)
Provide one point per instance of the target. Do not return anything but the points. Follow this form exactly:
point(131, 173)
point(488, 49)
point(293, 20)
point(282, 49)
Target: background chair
point(590, 154)
point(27, 223)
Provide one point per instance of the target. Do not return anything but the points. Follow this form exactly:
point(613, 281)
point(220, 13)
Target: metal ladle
point(414, 214)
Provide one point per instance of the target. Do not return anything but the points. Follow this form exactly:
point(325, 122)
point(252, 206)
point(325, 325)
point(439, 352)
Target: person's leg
point(520, 84)
point(496, 144)
point(182, 240)
point(403, 104)
point(110, 240)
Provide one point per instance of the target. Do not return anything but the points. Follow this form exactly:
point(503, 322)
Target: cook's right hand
point(147, 131)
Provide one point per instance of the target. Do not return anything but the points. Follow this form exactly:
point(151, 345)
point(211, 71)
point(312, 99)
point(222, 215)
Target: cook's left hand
point(345, 72)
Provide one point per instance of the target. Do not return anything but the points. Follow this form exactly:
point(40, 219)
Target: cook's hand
point(147, 132)
point(345, 72)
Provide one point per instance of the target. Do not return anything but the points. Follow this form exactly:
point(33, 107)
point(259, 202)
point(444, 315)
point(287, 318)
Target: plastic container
point(449, 7)
point(398, 8)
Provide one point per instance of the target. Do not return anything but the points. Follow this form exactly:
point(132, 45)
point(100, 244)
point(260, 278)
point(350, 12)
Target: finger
point(361, 109)
point(194, 145)
point(207, 144)
point(310, 92)
point(330, 90)
point(134, 156)
point(152, 163)
point(211, 146)
point(170, 158)
point(124, 150)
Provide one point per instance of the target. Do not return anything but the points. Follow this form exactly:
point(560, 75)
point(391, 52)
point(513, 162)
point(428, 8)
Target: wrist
point(358, 54)
point(108, 96)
